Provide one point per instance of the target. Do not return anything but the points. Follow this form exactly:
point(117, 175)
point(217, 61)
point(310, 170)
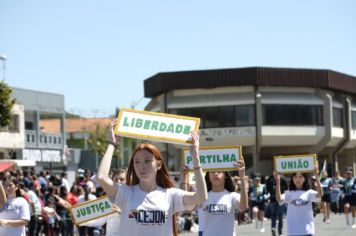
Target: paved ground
point(336, 227)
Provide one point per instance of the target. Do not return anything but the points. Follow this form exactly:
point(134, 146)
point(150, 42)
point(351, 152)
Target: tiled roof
point(74, 125)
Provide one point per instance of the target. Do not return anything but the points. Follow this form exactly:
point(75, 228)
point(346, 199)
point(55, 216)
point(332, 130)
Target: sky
point(98, 53)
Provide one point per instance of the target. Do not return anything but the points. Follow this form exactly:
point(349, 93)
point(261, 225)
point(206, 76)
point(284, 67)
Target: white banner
point(42, 155)
point(91, 210)
point(214, 158)
point(156, 126)
point(295, 163)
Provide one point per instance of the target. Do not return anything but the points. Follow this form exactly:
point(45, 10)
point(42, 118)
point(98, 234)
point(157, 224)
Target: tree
point(97, 141)
point(6, 104)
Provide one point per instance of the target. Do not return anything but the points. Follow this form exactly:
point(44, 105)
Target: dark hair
point(229, 184)
point(119, 171)
point(16, 183)
point(306, 184)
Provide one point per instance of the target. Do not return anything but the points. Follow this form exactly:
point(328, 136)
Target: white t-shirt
point(300, 219)
point(148, 213)
point(112, 224)
point(217, 213)
point(90, 197)
point(36, 202)
point(14, 209)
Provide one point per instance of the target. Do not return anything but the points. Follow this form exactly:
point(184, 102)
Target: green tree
point(97, 141)
point(6, 104)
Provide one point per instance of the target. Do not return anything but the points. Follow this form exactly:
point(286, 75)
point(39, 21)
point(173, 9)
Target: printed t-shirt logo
point(149, 216)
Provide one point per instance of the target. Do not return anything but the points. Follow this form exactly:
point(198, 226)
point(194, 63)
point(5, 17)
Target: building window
point(337, 117)
point(211, 118)
point(224, 116)
point(14, 125)
point(353, 117)
point(28, 125)
point(245, 115)
point(292, 115)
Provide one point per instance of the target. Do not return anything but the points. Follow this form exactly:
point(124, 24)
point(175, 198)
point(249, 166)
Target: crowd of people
point(148, 201)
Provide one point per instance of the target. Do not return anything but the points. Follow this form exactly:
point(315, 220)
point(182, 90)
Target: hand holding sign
point(112, 138)
point(240, 165)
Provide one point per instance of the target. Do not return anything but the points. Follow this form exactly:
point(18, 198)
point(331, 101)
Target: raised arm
point(104, 167)
point(184, 177)
point(243, 194)
point(201, 193)
point(319, 189)
point(3, 198)
point(278, 186)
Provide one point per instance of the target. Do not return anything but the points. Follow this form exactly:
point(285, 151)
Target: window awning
point(6, 165)
point(291, 98)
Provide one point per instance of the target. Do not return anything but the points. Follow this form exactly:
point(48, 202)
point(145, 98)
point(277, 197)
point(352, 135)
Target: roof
point(74, 125)
point(250, 76)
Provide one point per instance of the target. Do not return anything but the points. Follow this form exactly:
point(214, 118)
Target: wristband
point(112, 143)
point(197, 167)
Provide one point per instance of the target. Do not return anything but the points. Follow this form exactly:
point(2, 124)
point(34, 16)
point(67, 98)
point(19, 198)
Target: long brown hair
point(163, 179)
point(228, 185)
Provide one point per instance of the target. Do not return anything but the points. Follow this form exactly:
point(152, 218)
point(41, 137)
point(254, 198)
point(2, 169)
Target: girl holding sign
point(217, 213)
point(149, 201)
point(299, 199)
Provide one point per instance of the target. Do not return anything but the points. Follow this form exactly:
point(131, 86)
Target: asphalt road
point(337, 227)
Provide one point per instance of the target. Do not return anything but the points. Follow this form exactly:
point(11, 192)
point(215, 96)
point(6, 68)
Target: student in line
point(299, 199)
point(217, 213)
point(149, 201)
point(349, 196)
point(14, 209)
point(258, 196)
point(326, 198)
point(112, 220)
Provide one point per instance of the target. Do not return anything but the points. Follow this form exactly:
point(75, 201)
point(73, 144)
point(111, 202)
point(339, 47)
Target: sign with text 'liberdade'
point(156, 126)
point(91, 210)
point(214, 158)
point(295, 163)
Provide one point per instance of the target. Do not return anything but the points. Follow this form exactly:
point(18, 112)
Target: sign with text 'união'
point(91, 210)
point(214, 158)
point(156, 126)
point(295, 163)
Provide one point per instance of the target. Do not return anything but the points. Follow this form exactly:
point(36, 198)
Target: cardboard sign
point(91, 210)
point(295, 163)
point(156, 126)
point(214, 158)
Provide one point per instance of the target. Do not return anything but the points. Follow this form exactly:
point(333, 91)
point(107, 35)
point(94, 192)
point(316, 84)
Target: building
point(269, 111)
point(47, 149)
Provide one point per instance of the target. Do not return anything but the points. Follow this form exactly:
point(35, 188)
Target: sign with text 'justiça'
point(91, 210)
point(295, 163)
point(214, 158)
point(156, 126)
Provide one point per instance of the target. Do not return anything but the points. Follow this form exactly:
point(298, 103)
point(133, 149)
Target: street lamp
point(3, 59)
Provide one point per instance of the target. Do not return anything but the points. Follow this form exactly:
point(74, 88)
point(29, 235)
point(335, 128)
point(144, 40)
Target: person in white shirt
point(299, 199)
point(85, 196)
point(112, 220)
point(149, 201)
point(217, 213)
point(14, 210)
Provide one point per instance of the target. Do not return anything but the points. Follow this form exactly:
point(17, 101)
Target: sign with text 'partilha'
point(91, 210)
point(295, 163)
point(156, 126)
point(214, 158)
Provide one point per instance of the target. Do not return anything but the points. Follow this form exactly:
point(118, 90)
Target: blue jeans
point(277, 212)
